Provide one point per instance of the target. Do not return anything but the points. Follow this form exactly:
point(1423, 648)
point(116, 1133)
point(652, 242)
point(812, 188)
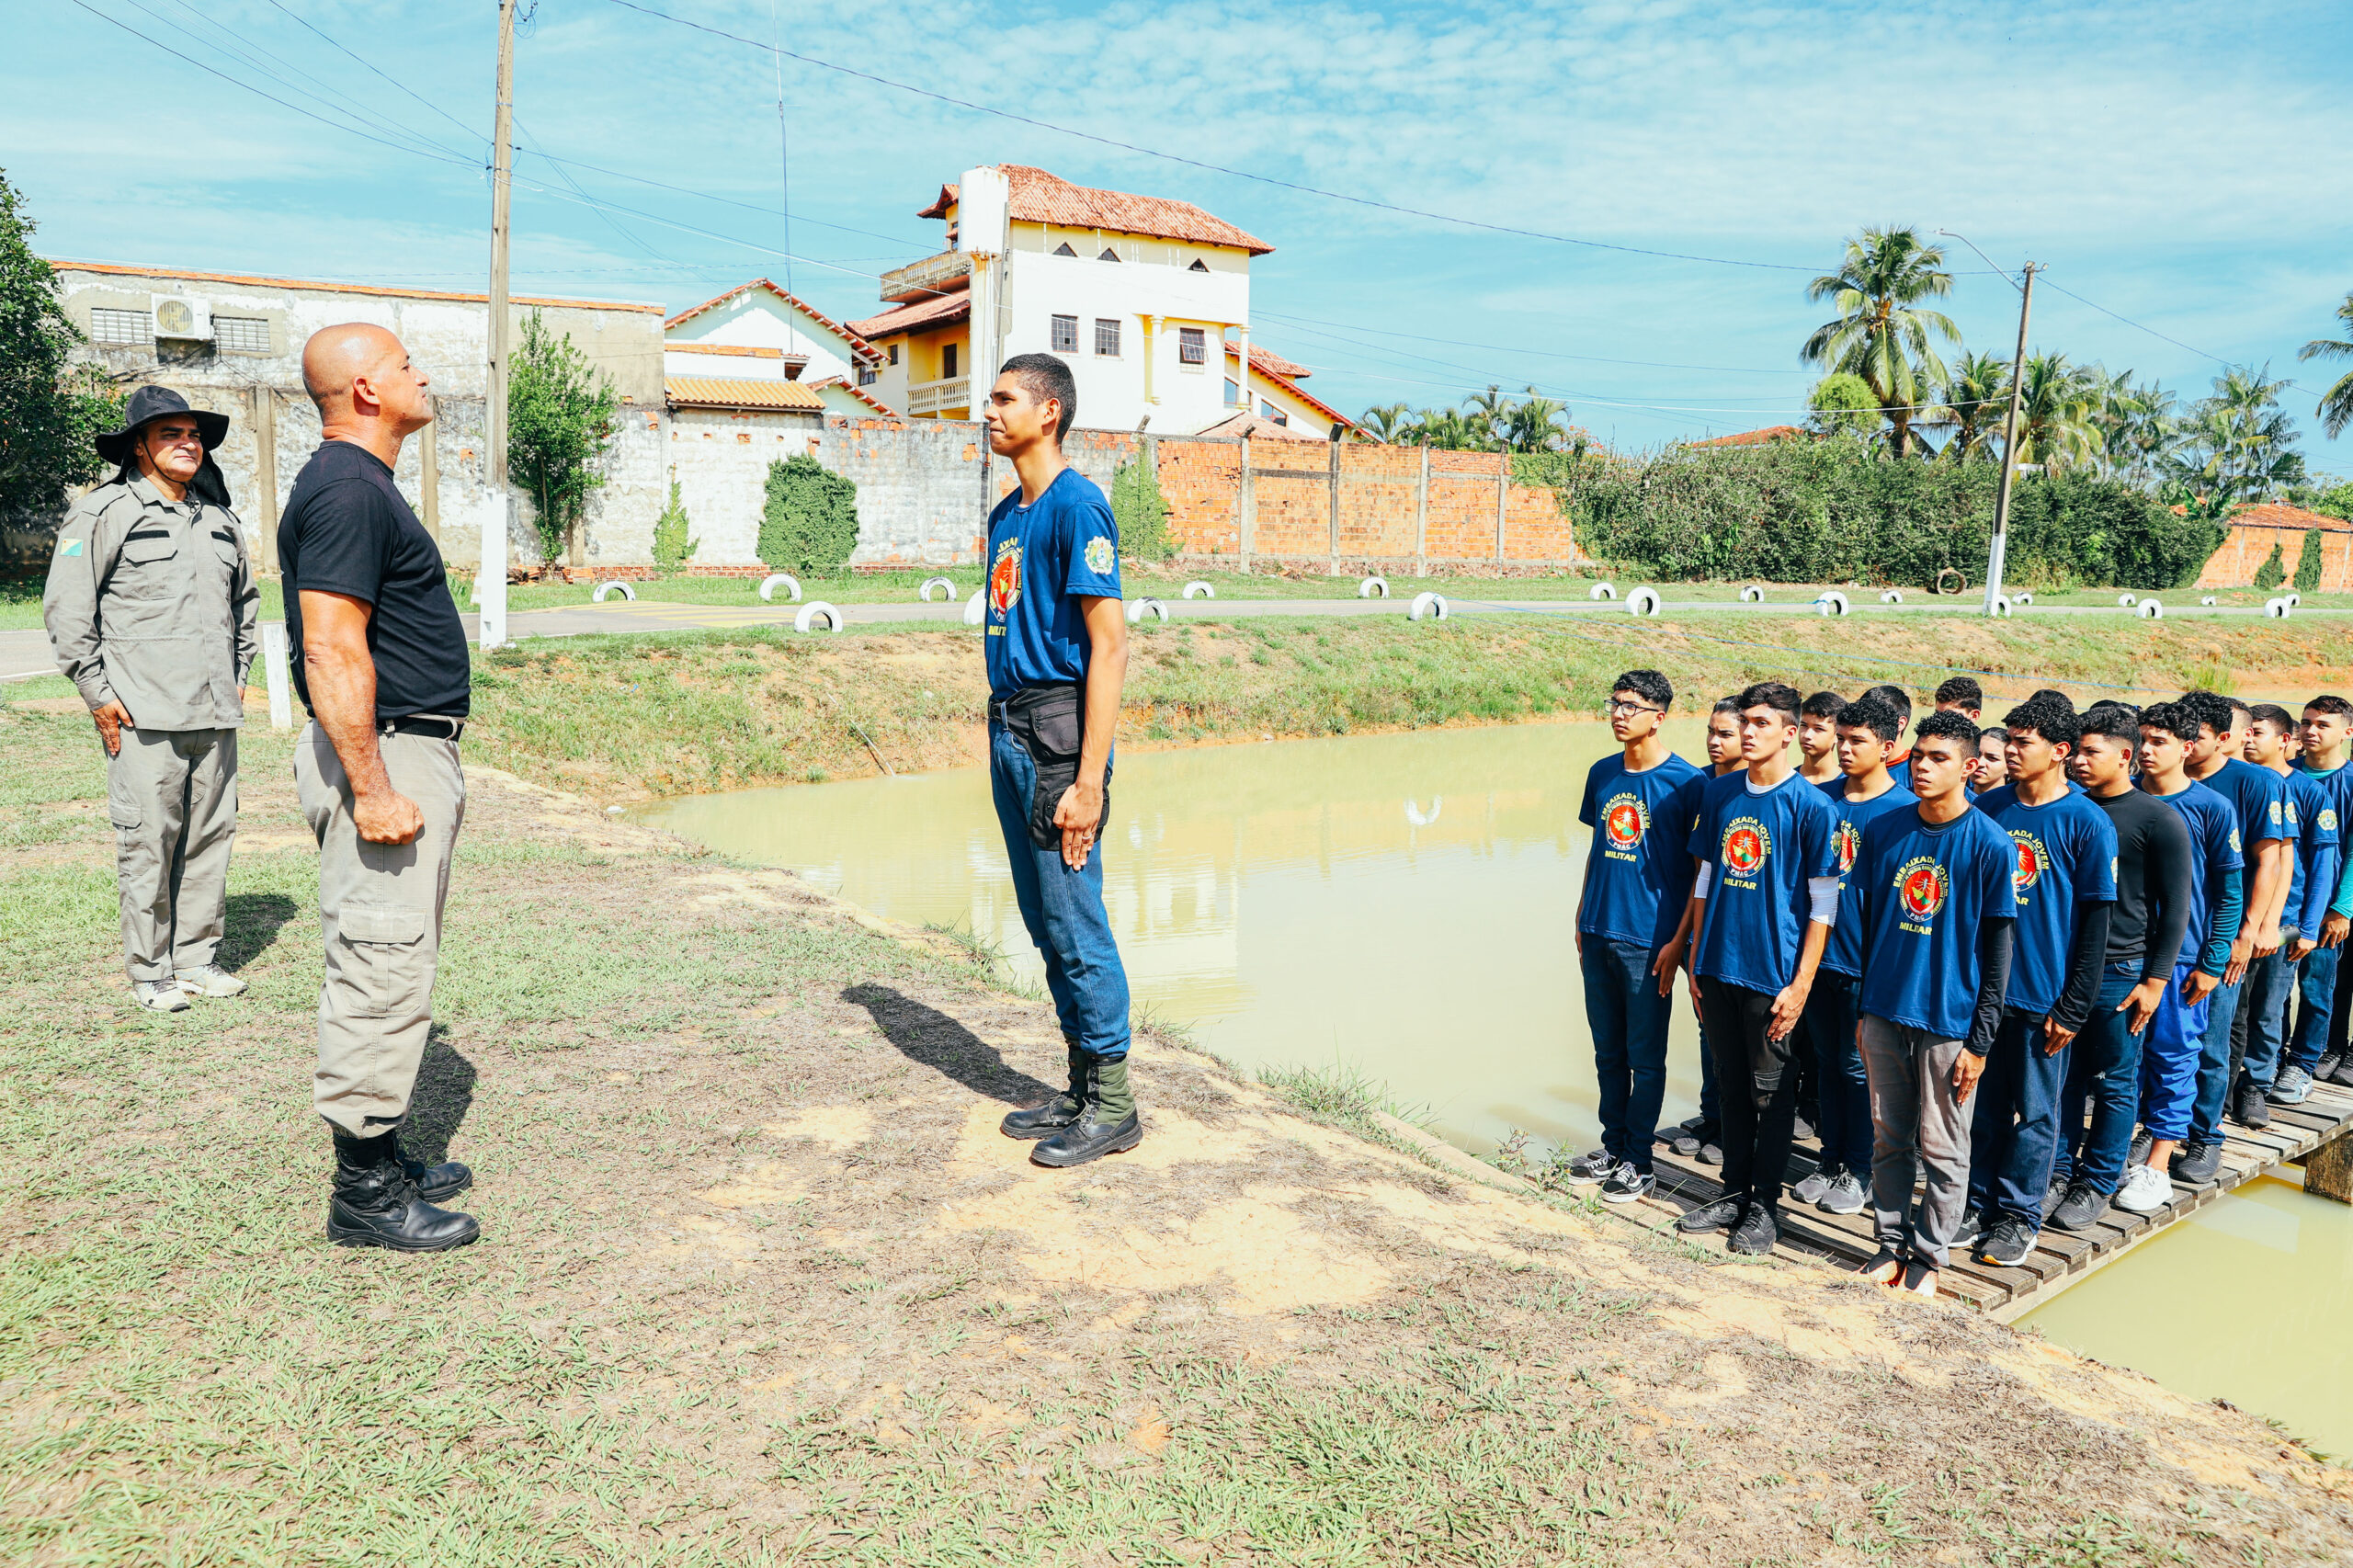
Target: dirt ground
point(761, 1283)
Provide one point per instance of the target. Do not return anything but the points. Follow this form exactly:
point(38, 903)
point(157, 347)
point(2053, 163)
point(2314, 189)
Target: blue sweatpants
point(2213, 1088)
point(2171, 1052)
point(1063, 909)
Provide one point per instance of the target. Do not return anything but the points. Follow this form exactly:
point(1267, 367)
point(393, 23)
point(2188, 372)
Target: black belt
point(422, 724)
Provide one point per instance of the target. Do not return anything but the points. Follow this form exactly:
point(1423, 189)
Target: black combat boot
point(1049, 1117)
point(1108, 1124)
point(377, 1205)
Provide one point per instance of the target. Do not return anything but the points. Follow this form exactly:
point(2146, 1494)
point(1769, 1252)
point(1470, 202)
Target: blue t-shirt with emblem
point(2337, 784)
point(1764, 848)
point(1639, 858)
point(1844, 955)
point(1925, 889)
point(1042, 559)
point(2259, 797)
point(2066, 859)
point(2312, 877)
point(2213, 825)
point(1673, 823)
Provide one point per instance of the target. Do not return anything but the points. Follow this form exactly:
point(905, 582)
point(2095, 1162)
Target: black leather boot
point(375, 1203)
point(1106, 1126)
point(1049, 1117)
point(436, 1184)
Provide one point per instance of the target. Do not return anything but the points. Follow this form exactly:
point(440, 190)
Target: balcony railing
point(923, 279)
point(931, 397)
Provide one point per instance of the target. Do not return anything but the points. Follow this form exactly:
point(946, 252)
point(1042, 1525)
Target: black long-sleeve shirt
point(2151, 917)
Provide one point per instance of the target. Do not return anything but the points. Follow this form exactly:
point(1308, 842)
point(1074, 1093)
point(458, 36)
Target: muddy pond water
point(1401, 907)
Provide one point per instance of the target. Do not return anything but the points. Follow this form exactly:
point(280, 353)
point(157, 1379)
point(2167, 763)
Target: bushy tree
point(810, 525)
point(1142, 513)
point(672, 546)
point(2337, 502)
point(2308, 563)
point(1882, 333)
point(561, 412)
point(2268, 575)
point(49, 407)
point(1844, 404)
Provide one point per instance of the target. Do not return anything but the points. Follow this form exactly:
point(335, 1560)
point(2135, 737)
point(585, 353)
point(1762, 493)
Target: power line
point(1537, 353)
point(372, 65)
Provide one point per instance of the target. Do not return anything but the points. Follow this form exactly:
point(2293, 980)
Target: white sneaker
point(2145, 1191)
point(160, 996)
point(209, 980)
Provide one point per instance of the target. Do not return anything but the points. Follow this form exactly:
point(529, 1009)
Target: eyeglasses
point(1614, 708)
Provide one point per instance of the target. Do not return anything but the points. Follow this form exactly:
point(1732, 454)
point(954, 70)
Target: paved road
point(26, 654)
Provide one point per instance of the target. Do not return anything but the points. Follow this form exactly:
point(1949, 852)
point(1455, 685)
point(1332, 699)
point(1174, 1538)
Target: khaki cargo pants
point(379, 906)
point(172, 795)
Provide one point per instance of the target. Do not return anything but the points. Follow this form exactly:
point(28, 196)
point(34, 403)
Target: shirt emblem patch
point(2329, 818)
point(2275, 813)
point(2030, 866)
point(2234, 841)
point(1625, 821)
point(1005, 578)
point(1848, 844)
point(1099, 556)
point(1747, 844)
point(1922, 886)
point(69, 547)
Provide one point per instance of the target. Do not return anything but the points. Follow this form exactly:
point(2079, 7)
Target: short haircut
point(1725, 705)
point(2210, 709)
point(1824, 705)
point(2239, 707)
point(1964, 691)
point(2054, 721)
point(1043, 376)
point(2056, 695)
point(1872, 713)
point(1778, 696)
point(2327, 702)
point(2174, 718)
point(2272, 714)
point(1947, 724)
point(1895, 696)
point(2107, 703)
point(2112, 720)
point(1648, 685)
point(1994, 732)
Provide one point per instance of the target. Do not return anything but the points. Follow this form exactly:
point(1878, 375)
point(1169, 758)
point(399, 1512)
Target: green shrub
point(2308, 563)
point(1140, 513)
point(2337, 502)
point(2268, 574)
point(810, 522)
point(672, 548)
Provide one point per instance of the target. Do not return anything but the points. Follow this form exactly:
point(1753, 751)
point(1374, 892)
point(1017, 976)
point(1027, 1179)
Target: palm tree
point(1880, 334)
point(2137, 427)
point(2239, 444)
point(2057, 405)
point(2335, 410)
point(1389, 423)
point(1976, 398)
point(1534, 423)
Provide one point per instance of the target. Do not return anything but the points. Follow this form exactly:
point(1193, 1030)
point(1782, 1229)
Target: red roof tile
point(820, 317)
point(1268, 363)
point(1041, 198)
point(2279, 515)
point(711, 392)
point(120, 270)
point(1766, 436)
point(854, 390)
point(941, 312)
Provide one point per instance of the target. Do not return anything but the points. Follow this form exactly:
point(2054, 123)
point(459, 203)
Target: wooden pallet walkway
point(2060, 1257)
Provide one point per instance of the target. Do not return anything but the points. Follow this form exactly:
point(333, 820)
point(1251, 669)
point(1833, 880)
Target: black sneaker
point(1712, 1149)
point(2195, 1163)
point(2081, 1208)
point(2140, 1155)
point(2342, 1076)
point(1721, 1215)
point(2054, 1196)
point(1627, 1184)
point(1587, 1169)
point(1755, 1233)
point(2250, 1108)
point(2325, 1068)
point(2006, 1243)
point(1967, 1231)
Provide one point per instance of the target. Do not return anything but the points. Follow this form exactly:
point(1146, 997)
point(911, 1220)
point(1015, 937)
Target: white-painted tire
point(2149, 610)
point(2208, 599)
point(2277, 609)
point(1644, 602)
point(807, 620)
point(976, 609)
point(603, 588)
point(2126, 601)
point(1602, 591)
point(1414, 814)
point(769, 585)
point(1752, 595)
point(1207, 591)
point(2000, 607)
point(2023, 599)
point(1139, 608)
point(1373, 588)
point(947, 590)
point(1831, 603)
point(2293, 599)
point(1893, 597)
point(1427, 606)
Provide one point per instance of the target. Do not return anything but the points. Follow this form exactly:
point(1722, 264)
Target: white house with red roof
point(1148, 299)
point(744, 345)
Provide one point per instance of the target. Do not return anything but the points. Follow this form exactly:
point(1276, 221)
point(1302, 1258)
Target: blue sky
point(2182, 165)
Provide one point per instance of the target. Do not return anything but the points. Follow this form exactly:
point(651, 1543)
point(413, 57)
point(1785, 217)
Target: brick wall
point(2246, 547)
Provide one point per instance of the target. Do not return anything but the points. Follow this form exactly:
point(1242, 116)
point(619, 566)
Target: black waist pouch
point(1050, 723)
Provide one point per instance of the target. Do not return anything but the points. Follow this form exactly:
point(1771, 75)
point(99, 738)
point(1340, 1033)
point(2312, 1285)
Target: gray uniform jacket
point(152, 603)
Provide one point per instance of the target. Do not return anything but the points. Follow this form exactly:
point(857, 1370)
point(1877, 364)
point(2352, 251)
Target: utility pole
point(2000, 545)
point(490, 581)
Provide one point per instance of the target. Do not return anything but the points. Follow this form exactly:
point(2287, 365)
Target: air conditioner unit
point(180, 317)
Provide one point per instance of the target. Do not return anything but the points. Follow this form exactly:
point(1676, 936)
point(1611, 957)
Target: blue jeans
point(2269, 983)
point(1064, 909)
point(2214, 1065)
point(1845, 1126)
point(2315, 997)
point(2013, 1132)
point(1628, 1018)
point(2105, 1070)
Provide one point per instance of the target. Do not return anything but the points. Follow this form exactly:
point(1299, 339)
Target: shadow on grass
point(250, 927)
point(444, 1093)
point(930, 1038)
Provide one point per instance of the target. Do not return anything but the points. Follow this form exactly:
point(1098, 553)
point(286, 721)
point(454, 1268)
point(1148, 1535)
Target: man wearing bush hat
point(152, 609)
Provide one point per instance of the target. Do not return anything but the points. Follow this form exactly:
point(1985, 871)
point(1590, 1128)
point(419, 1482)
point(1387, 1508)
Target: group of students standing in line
point(1975, 967)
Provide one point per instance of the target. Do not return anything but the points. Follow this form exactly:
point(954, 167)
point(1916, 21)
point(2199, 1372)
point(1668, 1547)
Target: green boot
point(1053, 1114)
point(1109, 1124)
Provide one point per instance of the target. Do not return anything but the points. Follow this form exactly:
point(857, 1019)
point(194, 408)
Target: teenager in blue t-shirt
point(2321, 990)
point(2268, 1064)
point(2172, 1051)
point(2065, 873)
point(1869, 731)
point(1696, 1138)
point(1057, 652)
point(1937, 907)
point(1636, 861)
point(1761, 908)
point(2258, 796)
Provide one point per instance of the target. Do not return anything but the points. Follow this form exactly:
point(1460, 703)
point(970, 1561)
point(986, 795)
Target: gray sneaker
point(1627, 1184)
point(209, 980)
point(1846, 1196)
point(1587, 1169)
point(2294, 1087)
point(160, 996)
point(1811, 1189)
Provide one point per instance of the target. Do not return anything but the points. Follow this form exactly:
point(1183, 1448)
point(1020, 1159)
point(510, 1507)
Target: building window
point(241, 334)
point(1109, 254)
point(1107, 337)
point(122, 326)
point(892, 351)
point(1064, 249)
point(866, 376)
point(948, 362)
point(1065, 335)
point(1233, 393)
point(1198, 265)
point(1193, 346)
point(1269, 411)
